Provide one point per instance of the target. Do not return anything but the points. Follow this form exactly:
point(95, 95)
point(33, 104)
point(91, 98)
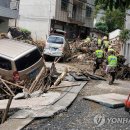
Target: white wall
point(100, 14)
point(35, 16)
point(127, 24)
point(126, 46)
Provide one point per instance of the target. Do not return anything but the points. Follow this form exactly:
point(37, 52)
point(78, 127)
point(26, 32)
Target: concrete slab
point(48, 112)
point(60, 104)
point(21, 114)
point(15, 124)
point(70, 96)
point(45, 99)
point(111, 100)
point(64, 85)
point(68, 83)
point(77, 89)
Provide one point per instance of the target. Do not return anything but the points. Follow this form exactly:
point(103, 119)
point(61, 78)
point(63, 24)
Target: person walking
point(99, 58)
point(111, 66)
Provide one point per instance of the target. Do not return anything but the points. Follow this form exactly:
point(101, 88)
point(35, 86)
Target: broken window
point(88, 11)
point(64, 4)
point(5, 64)
point(28, 60)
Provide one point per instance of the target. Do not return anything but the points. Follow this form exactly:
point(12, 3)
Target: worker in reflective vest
point(110, 49)
point(105, 43)
point(99, 57)
point(87, 41)
point(111, 66)
point(99, 42)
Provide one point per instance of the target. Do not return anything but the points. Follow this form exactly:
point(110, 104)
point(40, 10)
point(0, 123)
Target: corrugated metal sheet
point(8, 13)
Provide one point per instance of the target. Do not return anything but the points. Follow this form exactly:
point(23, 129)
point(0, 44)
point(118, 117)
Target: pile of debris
point(82, 52)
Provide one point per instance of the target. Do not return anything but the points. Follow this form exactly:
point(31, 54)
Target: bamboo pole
point(16, 85)
point(5, 91)
point(7, 87)
point(7, 109)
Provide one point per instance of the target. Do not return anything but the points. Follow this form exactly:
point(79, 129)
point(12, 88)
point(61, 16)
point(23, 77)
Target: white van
point(19, 60)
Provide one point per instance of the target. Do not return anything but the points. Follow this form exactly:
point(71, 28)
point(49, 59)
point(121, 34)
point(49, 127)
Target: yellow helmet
point(105, 38)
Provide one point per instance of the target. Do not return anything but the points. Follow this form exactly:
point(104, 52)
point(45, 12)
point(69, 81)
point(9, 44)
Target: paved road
point(81, 115)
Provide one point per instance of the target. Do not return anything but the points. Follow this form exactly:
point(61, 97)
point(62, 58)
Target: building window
point(88, 11)
point(64, 4)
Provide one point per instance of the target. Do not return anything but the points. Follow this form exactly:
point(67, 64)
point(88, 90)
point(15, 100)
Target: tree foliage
point(114, 19)
point(102, 27)
point(113, 4)
point(125, 35)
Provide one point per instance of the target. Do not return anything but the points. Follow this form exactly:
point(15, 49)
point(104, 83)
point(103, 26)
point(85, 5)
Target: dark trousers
point(98, 63)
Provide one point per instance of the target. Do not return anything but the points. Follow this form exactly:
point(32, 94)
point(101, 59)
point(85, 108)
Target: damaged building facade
point(40, 16)
point(6, 13)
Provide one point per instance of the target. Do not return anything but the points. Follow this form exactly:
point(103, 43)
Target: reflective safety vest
point(99, 42)
point(99, 53)
point(112, 61)
point(106, 44)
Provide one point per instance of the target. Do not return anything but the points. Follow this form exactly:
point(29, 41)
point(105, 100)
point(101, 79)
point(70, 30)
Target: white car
point(57, 46)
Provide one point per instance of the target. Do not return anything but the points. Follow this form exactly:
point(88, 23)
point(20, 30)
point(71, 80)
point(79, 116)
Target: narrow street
point(80, 115)
point(64, 64)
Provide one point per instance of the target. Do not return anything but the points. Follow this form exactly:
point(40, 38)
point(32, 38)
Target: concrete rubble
point(111, 100)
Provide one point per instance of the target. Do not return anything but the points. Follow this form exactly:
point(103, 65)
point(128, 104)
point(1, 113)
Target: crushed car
point(18, 60)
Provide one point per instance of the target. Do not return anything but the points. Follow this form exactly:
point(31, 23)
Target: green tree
point(113, 4)
point(102, 27)
point(114, 19)
point(125, 35)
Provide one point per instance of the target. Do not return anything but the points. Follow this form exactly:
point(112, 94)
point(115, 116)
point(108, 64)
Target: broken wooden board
point(111, 100)
point(44, 100)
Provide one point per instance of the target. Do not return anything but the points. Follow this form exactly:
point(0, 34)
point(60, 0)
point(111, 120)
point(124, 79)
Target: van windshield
point(28, 60)
point(54, 39)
